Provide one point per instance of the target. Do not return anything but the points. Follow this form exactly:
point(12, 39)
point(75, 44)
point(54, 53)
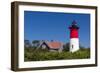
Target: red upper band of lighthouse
point(74, 30)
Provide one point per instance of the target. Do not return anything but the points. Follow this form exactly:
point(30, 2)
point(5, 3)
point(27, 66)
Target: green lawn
point(42, 55)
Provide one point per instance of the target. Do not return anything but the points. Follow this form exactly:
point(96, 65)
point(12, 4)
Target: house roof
point(54, 45)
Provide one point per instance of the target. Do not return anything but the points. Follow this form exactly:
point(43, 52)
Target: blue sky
point(54, 26)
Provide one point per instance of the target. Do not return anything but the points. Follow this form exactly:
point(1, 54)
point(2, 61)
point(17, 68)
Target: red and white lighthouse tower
point(74, 37)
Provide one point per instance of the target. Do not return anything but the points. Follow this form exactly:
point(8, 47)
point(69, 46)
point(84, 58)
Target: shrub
point(42, 55)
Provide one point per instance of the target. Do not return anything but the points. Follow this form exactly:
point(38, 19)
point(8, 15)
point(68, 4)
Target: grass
point(43, 55)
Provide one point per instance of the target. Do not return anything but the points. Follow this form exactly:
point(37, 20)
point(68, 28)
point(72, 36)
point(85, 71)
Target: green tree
point(66, 47)
point(27, 44)
point(35, 43)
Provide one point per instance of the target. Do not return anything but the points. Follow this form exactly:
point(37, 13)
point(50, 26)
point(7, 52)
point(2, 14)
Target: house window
point(43, 46)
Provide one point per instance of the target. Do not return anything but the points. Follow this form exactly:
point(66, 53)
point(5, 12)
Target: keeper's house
point(52, 46)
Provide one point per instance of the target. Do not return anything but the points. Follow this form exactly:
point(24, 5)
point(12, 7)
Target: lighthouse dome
point(74, 25)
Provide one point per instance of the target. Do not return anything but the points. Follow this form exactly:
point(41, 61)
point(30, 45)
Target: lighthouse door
point(72, 46)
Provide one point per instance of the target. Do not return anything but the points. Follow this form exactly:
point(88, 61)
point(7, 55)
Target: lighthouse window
point(72, 46)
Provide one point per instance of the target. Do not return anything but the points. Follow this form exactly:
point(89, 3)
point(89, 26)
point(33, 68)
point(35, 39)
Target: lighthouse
point(74, 37)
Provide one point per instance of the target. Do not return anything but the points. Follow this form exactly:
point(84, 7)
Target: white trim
point(23, 64)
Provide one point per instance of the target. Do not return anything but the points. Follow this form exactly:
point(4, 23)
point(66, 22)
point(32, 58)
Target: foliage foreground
point(43, 55)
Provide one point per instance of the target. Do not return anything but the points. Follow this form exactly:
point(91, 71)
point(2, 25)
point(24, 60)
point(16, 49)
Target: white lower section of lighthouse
point(74, 44)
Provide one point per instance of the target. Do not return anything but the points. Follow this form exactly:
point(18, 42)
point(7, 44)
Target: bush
point(42, 55)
